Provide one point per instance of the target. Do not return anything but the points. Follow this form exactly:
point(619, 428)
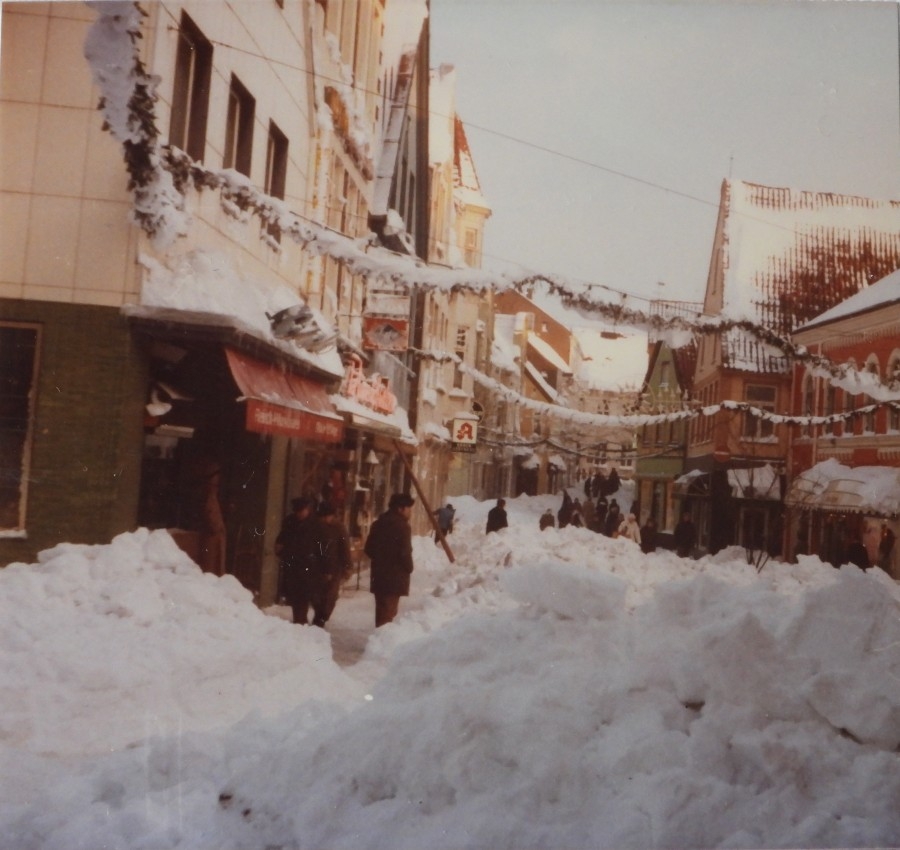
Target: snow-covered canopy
point(830, 485)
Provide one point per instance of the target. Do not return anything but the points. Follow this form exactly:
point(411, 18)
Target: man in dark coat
point(300, 562)
point(336, 561)
point(496, 518)
point(685, 536)
point(389, 547)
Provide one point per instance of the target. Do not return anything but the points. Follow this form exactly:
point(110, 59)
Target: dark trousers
point(323, 605)
point(386, 607)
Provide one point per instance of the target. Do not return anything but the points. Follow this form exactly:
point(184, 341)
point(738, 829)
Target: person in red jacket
point(389, 547)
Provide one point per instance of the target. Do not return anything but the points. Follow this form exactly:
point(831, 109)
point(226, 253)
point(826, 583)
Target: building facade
point(845, 465)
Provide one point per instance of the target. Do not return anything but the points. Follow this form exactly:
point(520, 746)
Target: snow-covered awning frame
point(160, 175)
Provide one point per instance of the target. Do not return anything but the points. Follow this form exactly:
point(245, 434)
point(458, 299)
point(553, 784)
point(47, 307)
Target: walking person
point(685, 535)
point(389, 547)
point(564, 514)
point(613, 519)
point(496, 518)
point(296, 547)
point(444, 516)
point(336, 564)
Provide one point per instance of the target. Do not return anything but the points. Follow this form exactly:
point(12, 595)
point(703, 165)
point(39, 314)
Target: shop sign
point(386, 321)
point(263, 417)
point(464, 436)
point(373, 391)
point(385, 333)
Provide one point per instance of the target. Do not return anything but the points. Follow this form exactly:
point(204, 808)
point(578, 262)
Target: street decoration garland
point(161, 175)
point(640, 420)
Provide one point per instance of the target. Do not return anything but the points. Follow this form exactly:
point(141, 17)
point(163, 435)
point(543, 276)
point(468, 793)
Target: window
point(239, 128)
point(893, 376)
point(869, 418)
point(471, 247)
point(190, 97)
point(276, 169)
point(18, 373)
point(809, 402)
point(462, 335)
point(762, 397)
point(830, 406)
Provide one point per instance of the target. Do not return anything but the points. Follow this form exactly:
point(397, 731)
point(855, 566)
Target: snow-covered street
point(552, 689)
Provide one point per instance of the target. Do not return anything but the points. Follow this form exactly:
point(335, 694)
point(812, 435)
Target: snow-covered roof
point(442, 106)
point(504, 351)
point(466, 186)
point(204, 287)
point(789, 255)
point(541, 382)
point(612, 363)
point(548, 352)
point(881, 294)
point(831, 486)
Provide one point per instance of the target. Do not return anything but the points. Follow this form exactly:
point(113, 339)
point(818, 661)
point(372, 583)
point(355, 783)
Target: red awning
point(280, 402)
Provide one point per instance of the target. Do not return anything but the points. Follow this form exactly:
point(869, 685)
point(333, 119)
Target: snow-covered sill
point(13, 534)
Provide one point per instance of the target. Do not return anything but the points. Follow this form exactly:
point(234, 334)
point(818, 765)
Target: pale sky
point(677, 96)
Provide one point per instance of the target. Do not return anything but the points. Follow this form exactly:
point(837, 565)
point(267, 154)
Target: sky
point(554, 689)
point(602, 131)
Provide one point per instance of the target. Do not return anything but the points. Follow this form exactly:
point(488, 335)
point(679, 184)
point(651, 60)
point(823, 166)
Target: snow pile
point(551, 689)
point(104, 645)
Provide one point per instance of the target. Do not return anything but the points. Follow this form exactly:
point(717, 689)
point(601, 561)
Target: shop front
point(230, 423)
point(832, 507)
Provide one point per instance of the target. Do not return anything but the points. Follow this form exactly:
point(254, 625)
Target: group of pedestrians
point(608, 519)
point(314, 550)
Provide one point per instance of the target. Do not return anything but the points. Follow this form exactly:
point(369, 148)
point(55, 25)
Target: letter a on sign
point(465, 435)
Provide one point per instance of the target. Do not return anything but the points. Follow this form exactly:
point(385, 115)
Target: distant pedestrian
point(856, 552)
point(648, 535)
point(588, 514)
point(600, 511)
point(445, 517)
point(685, 536)
point(613, 519)
point(496, 518)
point(564, 514)
point(389, 546)
point(576, 519)
point(629, 529)
point(547, 520)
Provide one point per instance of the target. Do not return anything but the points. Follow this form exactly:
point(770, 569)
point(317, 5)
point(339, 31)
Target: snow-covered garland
point(639, 420)
point(159, 177)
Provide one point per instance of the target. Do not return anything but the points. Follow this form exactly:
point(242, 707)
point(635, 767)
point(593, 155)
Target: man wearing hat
point(389, 547)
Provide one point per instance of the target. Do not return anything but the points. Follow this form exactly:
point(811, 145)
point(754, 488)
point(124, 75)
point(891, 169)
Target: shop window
point(239, 128)
point(190, 96)
point(763, 398)
point(18, 374)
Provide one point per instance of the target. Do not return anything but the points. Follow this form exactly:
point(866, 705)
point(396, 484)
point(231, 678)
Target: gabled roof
point(789, 255)
point(465, 178)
